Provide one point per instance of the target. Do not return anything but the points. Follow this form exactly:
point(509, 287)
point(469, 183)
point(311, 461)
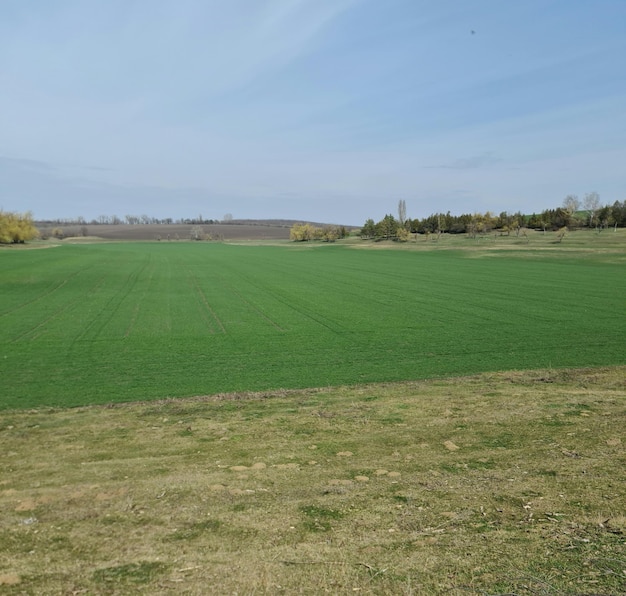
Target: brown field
point(247, 231)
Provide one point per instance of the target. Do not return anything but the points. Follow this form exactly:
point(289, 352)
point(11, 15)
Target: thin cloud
point(46, 167)
point(472, 162)
point(9, 163)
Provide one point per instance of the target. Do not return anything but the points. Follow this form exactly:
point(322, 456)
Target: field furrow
point(116, 312)
point(23, 300)
point(64, 310)
point(247, 300)
point(208, 314)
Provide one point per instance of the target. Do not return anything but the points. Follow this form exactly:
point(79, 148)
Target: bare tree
point(402, 212)
point(197, 233)
point(592, 206)
point(571, 204)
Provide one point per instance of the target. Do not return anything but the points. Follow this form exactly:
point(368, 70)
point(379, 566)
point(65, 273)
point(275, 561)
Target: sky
point(321, 110)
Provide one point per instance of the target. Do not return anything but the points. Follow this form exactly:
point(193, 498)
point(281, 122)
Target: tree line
point(574, 213)
point(134, 220)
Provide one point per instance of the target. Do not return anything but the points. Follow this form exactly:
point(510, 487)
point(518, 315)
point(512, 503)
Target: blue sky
point(324, 110)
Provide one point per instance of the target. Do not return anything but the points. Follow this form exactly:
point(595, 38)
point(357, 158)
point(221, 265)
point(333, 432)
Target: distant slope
point(239, 229)
point(173, 231)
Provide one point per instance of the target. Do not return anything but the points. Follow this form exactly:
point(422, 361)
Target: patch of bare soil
point(9, 579)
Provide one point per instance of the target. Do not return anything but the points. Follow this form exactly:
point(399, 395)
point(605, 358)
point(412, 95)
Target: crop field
point(119, 322)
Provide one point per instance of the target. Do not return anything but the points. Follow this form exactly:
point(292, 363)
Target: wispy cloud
point(472, 162)
point(24, 164)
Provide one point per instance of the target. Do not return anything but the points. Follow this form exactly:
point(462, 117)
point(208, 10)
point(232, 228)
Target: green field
point(120, 322)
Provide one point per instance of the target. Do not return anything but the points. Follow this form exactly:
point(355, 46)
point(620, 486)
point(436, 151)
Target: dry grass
point(580, 244)
point(500, 483)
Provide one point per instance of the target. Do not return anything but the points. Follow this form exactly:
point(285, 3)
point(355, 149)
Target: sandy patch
point(26, 505)
point(285, 466)
point(9, 579)
point(216, 487)
point(340, 482)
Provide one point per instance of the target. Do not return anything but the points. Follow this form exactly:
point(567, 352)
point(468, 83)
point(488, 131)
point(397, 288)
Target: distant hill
point(276, 222)
point(236, 229)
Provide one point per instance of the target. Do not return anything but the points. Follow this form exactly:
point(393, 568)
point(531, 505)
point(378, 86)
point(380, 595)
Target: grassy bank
point(491, 484)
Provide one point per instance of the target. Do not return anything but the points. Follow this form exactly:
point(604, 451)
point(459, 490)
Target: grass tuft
point(131, 573)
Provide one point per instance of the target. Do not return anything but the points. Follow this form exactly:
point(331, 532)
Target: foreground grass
point(496, 483)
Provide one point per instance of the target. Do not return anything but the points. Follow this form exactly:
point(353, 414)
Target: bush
point(17, 227)
point(403, 235)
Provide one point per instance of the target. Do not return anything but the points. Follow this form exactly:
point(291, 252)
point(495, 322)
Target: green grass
point(120, 322)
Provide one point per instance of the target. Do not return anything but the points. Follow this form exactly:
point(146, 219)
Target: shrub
point(17, 227)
